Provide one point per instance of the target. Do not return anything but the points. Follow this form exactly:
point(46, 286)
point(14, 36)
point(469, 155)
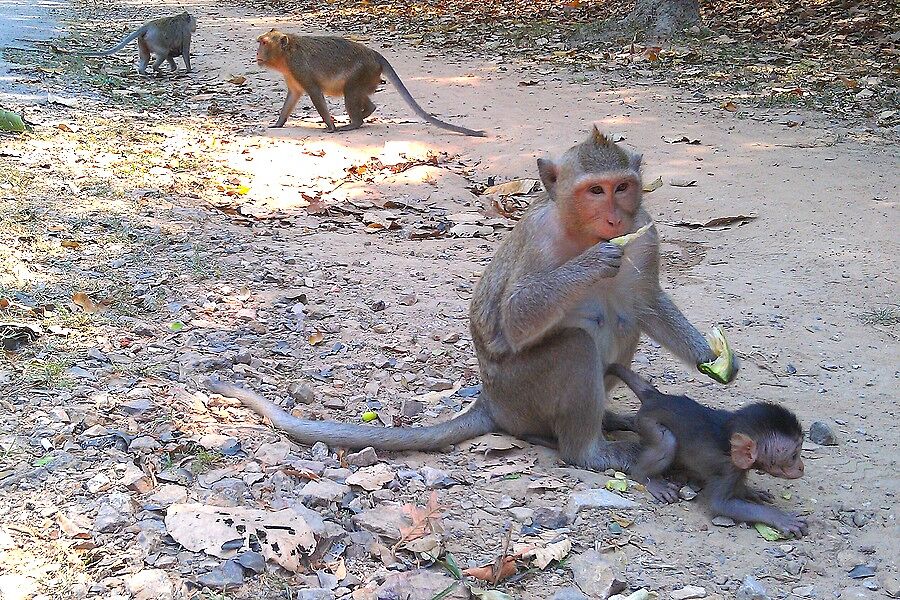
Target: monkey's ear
point(743, 451)
point(549, 173)
point(285, 41)
point(634, 162)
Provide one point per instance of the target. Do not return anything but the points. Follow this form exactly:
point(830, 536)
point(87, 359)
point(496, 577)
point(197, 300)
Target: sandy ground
point(794, 288)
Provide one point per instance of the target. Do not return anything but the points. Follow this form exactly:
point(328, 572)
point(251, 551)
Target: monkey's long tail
point(116, 48)
point(391, 75)
point(468, 424)
point(640, 386)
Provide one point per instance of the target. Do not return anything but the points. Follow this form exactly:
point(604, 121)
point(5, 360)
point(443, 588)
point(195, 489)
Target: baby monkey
point(716, 447)
point(332, 66)
point(166, 38)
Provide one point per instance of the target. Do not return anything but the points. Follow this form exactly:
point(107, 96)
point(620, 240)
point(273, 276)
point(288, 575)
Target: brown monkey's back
point(333, 59)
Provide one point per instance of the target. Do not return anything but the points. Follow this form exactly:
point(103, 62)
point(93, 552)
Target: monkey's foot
point(663, 490)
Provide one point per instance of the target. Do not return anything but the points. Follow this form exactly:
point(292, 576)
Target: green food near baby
point(721, 369)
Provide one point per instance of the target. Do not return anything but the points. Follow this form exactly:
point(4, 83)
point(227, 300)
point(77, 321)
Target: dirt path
point(294, 288)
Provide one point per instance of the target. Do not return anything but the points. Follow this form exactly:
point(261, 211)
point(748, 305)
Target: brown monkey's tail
point(118, 47)
point(640, 386)
point(391, 75)
point(468, 424)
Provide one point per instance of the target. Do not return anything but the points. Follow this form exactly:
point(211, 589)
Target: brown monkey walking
point(332, 66)
point(717, 448)
point(166, 38)
point(556, 306)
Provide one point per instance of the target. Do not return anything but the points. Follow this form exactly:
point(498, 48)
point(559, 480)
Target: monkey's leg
point(357, 91)
point(581, 408)
point(186, 54)
point(160, 59)
point(318, 100)
point(290, 103)
point(143, 55)
point(172, 64)
point(355, 101)
point(656, 457)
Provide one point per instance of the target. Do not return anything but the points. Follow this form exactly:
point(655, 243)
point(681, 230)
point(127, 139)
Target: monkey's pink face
point(269, 49)
point(780, 457)
point(606, 206)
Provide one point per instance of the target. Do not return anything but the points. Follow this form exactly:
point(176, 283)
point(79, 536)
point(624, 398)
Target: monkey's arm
point(539, 301)
point(722, 501)
point(661, 320)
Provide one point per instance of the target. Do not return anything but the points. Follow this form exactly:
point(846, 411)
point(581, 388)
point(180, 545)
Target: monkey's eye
point(597, 189)
point(622, 187)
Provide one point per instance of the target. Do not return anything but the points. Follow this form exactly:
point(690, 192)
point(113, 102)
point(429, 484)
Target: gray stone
point(225, 444)
point(114, 513)
point(323, 491)
point(822, 434)
point(364, 458)
point(751, 589)
point(549, 517)
point(522, 514)
point(301, 393)
point(227, 577)
point(721, 521)
point(687, 493)
point(273, 454)
point(569, 593)
point(319, 451)
point(688, 592)
point(598, 498)
point(150, 584)
point(315, 594)
point(593, 574)
point(422, 585)
point(327, 580)
point(252, 561)
point(145, 444)
point(435, 478)
point(384, 519)
point(411, 408)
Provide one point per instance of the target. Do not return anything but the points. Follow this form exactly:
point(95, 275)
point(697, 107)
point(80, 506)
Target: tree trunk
point(662, 18)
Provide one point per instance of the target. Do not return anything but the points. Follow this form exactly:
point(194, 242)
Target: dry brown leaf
point(284, 536)
point(237, 80)
point(541, 557)
point(488, 572)
point(653, 185)
point(316, 338)
point(423, 520)
point(730, 106)
point(87, 304)
point(510, 188)
point(72, 244)
point(716, 222)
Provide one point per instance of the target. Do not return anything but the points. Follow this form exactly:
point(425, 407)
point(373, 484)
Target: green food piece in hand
point(617, 485)
point(369, 416)
point(624, 239)
point(769, 533)
point(721, 369)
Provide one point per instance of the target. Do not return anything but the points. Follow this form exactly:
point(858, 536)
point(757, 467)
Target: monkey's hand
point(790, 524)
point(724, 366)
point(603, 259)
